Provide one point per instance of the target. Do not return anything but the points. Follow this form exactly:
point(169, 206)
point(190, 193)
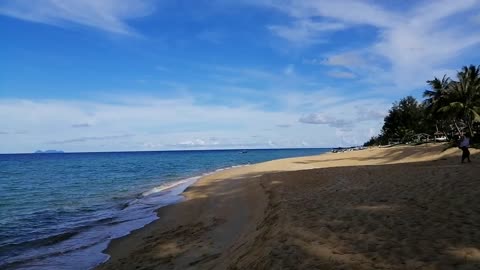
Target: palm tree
point(462, 99)
point(437, 92)
point(435, 98)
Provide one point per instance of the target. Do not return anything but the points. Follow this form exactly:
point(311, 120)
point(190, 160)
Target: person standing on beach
point(464, 144)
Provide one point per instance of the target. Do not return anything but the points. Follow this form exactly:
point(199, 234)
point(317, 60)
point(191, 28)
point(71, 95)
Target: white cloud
point(305, 31)
point(193, 143)
point(370, 113)
point(351, 122)
point(425, 46)
point(434, 11)
point(425, 39)
point(323, 119)
point(134, 123)
point(106, 15)
point(348, 11)
point(221, 143)
point(85, 139)
point(346, 59)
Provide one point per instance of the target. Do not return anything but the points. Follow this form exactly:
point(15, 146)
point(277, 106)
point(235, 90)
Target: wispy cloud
point(341, 74)
point(323, 119)
point(81, 125)
point(412, 45)
point(363, 110)
point(177, 123)
point(106, 15)
point(347, 11)
point(365, 113)
point(305, 31)
point(346, 59)
point(196, 145)
point(403, 47)
point(86, 139)
point(425, 43)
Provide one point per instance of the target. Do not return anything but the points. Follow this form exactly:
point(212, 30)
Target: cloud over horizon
point(155, 123)
point(221, 74)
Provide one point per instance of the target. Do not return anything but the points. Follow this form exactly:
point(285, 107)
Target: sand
point(382, 208)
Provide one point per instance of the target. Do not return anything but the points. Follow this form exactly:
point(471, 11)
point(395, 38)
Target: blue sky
point(151, 75)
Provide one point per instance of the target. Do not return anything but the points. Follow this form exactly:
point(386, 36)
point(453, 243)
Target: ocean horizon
point(60, 151)
point(62, 209)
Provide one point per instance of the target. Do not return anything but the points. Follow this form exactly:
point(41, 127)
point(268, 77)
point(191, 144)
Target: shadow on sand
point(422, 215)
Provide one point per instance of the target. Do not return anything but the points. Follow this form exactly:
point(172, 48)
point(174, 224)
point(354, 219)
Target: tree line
point(449, 108)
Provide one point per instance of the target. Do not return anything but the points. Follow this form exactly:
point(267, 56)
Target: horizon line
point(170, 150)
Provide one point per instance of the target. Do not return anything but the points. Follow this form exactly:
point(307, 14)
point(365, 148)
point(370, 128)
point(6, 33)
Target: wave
point(82, 241)
point(168, 186)
point(88, 238)
point(35, 261)
point(40, 242)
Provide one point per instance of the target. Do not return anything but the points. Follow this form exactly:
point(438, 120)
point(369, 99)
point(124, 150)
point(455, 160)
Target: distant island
point(49, 152)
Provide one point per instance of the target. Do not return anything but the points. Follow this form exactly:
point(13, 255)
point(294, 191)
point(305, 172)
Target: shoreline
point(176, 188)
point(128, 201)
point(238, 218)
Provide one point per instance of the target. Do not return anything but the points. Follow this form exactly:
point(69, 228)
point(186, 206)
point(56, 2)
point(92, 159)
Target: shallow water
point(59, 211)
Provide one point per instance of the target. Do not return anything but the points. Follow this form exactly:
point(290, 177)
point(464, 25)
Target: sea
point(60, 211)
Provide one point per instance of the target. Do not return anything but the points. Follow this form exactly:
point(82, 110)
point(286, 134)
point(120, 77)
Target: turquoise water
point(59, 211)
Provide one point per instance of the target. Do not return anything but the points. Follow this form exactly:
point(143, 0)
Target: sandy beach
point(405, 207)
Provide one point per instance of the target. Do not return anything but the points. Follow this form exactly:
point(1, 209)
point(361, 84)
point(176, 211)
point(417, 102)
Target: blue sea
point(60, 211)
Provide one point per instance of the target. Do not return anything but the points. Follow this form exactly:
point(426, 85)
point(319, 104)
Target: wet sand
point(382, 208)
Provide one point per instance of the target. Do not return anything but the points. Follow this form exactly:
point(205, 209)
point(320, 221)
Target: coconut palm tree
point(462, 99)
point(435, 99)
point(435, 96)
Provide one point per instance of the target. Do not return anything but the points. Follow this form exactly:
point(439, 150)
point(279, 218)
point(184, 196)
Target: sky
point(138, 75)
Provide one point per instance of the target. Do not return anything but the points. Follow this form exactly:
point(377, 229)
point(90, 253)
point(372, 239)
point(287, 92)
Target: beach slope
point(382, 208)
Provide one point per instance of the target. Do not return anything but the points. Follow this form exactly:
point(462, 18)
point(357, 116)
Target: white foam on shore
point(189, 181)
point(167, 186)
point(86, 250)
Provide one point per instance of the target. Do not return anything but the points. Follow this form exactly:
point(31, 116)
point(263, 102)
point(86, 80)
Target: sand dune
point(381, 208)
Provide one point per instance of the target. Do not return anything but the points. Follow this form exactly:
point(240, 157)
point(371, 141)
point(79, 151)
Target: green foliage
point(404, 119)
point(435, 97)
point(462, 99)
point(448, 106)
